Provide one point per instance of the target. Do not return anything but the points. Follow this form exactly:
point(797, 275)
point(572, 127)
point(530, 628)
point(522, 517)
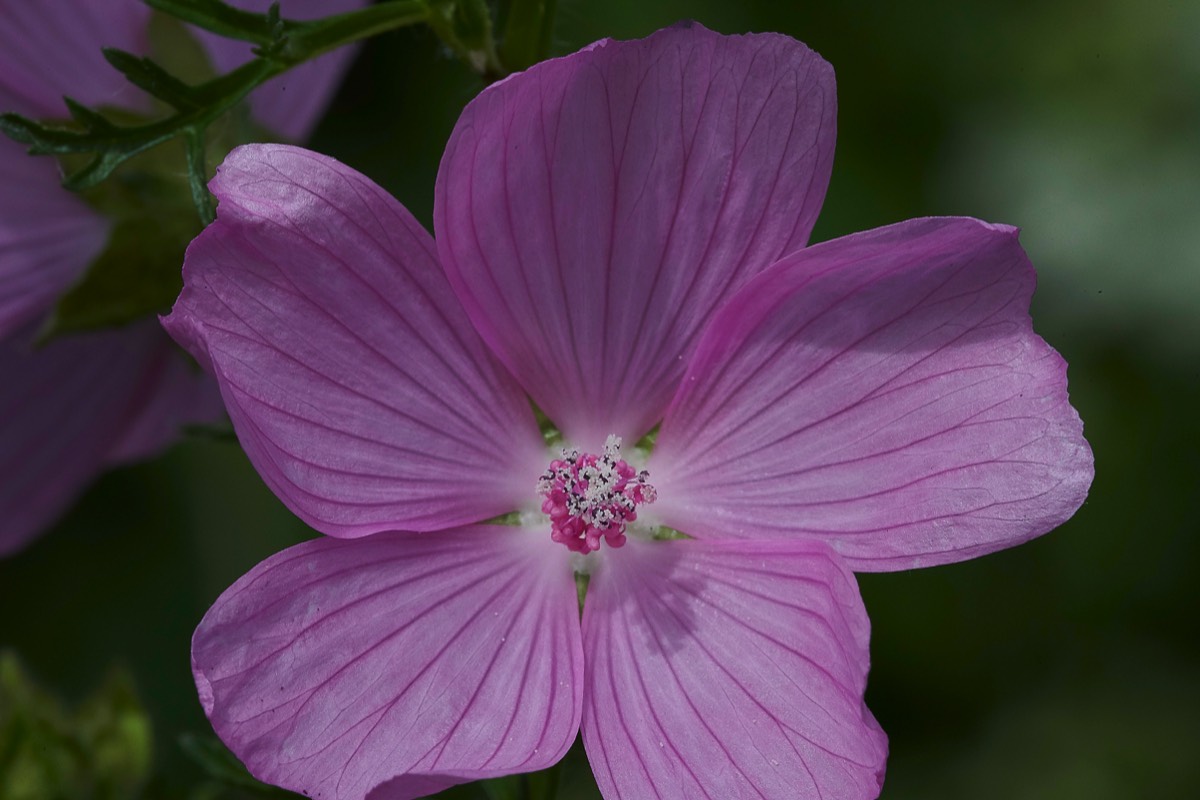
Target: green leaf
point(465, 26)
point(118, 739)
point(527, 28)
point(282, 44)
point(90, 120)
point(224, 20)
point(137, 274)
point(153, 79)
point(176, 49)
point(102, 752)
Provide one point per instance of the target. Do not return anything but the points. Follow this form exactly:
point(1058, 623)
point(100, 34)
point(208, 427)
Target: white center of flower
point(592, 497)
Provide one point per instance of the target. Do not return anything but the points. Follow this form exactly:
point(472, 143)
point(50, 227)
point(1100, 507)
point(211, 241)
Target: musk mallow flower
point(620, 238)
point(84, 403)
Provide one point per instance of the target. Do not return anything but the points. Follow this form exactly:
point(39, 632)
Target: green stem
point(283, 44)
point(307, 40)
point(197, 175)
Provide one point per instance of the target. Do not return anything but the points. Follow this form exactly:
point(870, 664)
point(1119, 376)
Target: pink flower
point(87, 402)
point(620, 235)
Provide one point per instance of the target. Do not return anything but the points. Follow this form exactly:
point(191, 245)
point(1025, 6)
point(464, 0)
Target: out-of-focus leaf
point(102, 752)
point(527, 28)
point(117, 736)
point(137, 274)
point(465, 26)
point(541, 785)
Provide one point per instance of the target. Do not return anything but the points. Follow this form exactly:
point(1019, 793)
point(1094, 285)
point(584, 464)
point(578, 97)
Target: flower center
point(589, 497)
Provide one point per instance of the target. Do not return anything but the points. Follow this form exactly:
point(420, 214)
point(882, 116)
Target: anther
point(592, 497)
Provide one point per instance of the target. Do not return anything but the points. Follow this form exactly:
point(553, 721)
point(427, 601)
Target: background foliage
point(1066, 668)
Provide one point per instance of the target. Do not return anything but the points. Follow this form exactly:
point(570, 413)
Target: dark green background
point(1066, 668)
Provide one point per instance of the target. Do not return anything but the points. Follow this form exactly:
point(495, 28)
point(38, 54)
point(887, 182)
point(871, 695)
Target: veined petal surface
point(400, 663)
point(728, 670)
point(290, 104)
point(65, 410)
point(49, 48)
point(354, 380)
point(884, 392)
point(593, 211)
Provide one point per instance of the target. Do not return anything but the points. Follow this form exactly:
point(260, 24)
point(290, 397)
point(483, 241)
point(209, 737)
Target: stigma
point(591, 497)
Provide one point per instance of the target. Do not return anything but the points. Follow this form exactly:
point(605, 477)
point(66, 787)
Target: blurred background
point(1066, 668)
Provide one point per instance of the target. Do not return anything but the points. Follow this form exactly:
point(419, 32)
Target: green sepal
point(582, 579)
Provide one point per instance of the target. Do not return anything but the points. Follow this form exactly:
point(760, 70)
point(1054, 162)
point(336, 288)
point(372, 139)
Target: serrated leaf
point(91, 120)
point(18, 128)
point(222, 19)
point(152, 79)
point(198, 106)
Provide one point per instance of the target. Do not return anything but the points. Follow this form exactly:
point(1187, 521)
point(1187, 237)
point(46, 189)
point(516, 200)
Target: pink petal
point(291, 104)
point(49, 48)
point(47, 237)
point(885, 392)
point(406, 661)
point(594, 210)
point(182, 394)
point(353, 378)
point(726, 670)
point(65, 409)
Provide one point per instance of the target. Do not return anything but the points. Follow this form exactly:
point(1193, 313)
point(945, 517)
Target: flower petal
point(64, 410)
point(593, 211)
point(181, 395)
point(728, 670)
point(291, 104)
point(354, 381)
point(403, 660)
point(47, 237)
point(52, 47)
point(885, 392)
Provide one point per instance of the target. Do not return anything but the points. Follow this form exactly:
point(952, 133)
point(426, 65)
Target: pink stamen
point(590, 497)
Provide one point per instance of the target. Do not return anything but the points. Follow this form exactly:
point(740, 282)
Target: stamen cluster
point(589, 497)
